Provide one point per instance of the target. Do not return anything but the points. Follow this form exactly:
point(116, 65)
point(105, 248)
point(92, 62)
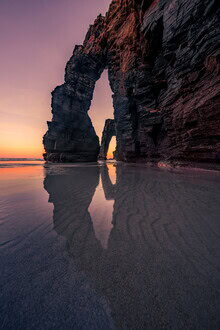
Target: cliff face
point(163, 61)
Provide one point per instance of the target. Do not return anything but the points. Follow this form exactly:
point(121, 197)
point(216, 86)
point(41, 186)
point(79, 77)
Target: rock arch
point(164, 80)
point(71, 136)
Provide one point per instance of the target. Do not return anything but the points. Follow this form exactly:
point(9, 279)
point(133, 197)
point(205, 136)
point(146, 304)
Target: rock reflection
point(71, 191)
point(101, 207)
point(108, 187)
point(159, 268)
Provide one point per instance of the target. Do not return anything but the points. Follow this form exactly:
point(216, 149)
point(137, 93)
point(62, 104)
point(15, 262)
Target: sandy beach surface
point(108, 246)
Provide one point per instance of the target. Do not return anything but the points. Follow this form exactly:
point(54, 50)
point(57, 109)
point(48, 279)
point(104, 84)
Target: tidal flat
point(108, 246)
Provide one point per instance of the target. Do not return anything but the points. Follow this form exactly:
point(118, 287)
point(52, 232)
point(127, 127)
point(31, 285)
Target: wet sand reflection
point(157, 265)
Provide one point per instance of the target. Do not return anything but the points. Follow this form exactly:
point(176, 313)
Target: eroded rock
point(163, 61)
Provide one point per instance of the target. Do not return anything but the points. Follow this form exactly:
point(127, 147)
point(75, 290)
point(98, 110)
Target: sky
point(37, 38)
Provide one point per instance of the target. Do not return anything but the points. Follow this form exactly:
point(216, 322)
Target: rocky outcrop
point(107, 134)
point(163, 63)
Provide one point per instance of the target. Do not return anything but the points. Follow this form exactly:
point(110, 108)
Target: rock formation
point(163, 63)
point(108, 132)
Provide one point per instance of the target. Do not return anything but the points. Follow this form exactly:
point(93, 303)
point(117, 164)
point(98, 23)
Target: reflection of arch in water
point(108, 269)
point(108, 187)
point(71, 192)
point(101, 207)
point(161, 246)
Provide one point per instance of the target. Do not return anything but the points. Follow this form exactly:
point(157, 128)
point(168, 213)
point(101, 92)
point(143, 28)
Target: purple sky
point(37, 38)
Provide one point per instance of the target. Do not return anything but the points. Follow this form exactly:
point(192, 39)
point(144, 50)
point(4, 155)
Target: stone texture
point(163, 61)
point(107, 134)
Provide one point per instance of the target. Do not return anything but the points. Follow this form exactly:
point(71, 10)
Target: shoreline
point(207, 167)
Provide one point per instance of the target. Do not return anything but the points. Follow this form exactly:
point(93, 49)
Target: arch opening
point(108, 133)
point(101, 115)
point(80, 107)
point(111, 148)
point(101, 105)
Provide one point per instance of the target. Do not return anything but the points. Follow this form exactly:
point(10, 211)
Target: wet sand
point(109, 246)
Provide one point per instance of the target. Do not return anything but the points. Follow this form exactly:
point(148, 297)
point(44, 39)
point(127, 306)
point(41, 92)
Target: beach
point(108, 246)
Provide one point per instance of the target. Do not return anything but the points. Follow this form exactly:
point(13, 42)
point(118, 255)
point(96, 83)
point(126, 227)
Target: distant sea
point(20, 162)
point(20, 159)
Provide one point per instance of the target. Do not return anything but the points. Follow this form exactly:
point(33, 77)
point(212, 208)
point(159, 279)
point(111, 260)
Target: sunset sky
point(37, 38)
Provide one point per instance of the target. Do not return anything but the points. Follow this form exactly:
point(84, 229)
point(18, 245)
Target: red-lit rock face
point(163, 63)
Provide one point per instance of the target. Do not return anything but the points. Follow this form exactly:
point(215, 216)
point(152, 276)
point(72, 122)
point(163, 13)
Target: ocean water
point(108, 246)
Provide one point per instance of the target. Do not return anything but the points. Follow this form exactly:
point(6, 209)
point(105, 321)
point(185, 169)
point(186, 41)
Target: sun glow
point(20, 141)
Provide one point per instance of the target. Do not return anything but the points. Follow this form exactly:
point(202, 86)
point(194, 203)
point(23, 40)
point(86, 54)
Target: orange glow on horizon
point(20, 151)
point(23, 123)
point(20, 142)
point(24, 149)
